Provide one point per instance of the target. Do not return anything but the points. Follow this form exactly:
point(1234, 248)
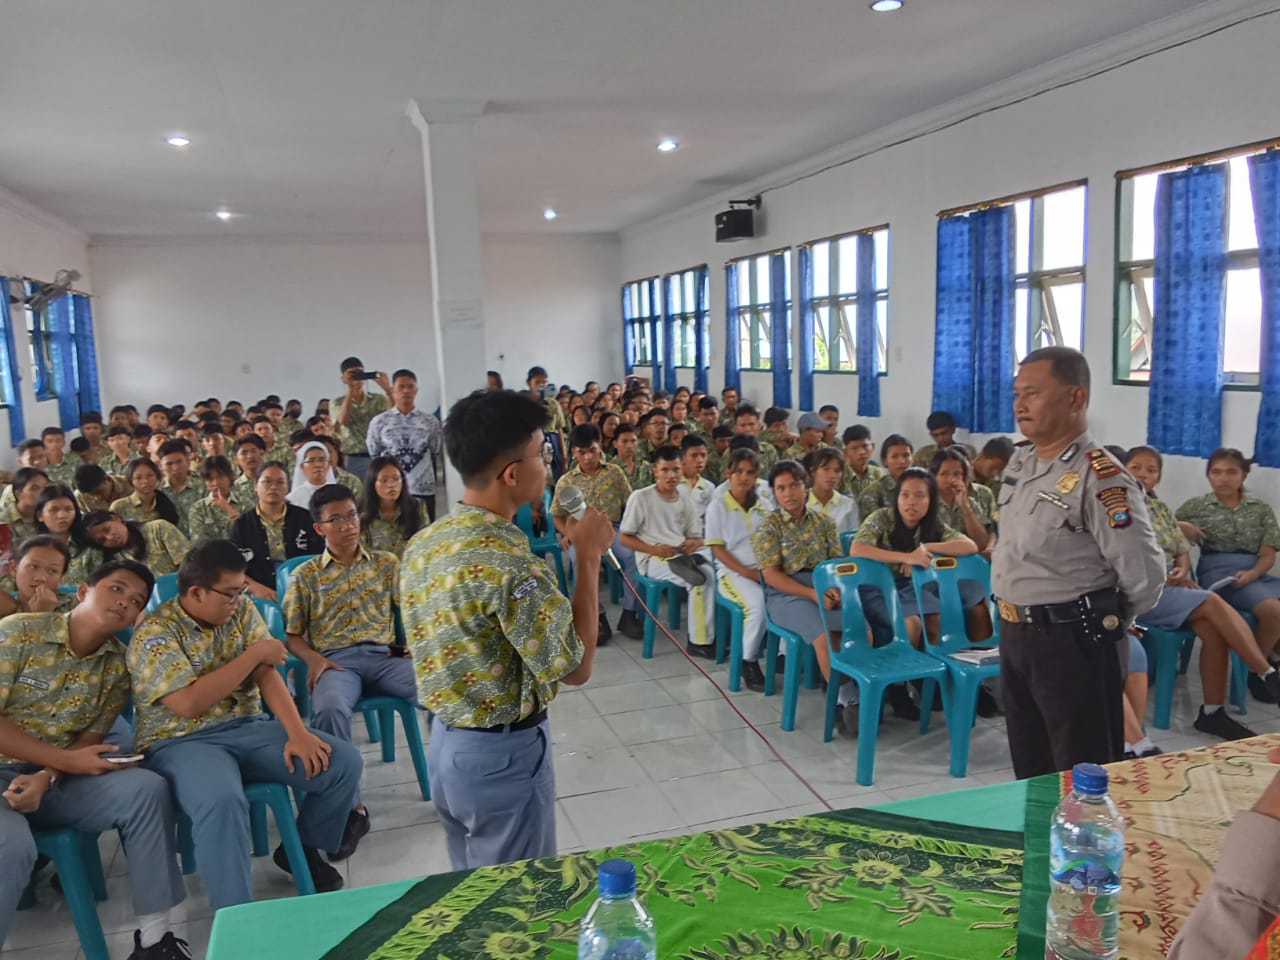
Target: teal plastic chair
point(945, 574)
point(729, 623)
point(543, 544)
point(846, 540)
point(84, 884)
point(653, 591)
point(1238, 673)
point(386, 709)
point(615, 583)
point(166, 589)
point(261, 797)
point(1165, 651)
point(284, 572)
point(801, 665)
point(873, 668)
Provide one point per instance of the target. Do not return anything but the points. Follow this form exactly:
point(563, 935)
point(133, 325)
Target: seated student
point(39, 564)
point(62, 685)
point(717, 452)
point(988, 469)
point(203, 664)
point(693, 458)
point(676, 434)
point(61, 468)
point(118, 416)
point(747, 422)
point(179, 486)
point(141, 440)
point(318, 426)
point(732, 519)
point(292, 415)
point(942, 428)
point(859, 472)
point(679, 415)
point(653, 428)
point(211, 518)
point(661, 524)
point(389, 514)
point(274, 531)
point(312, 472)
point(338, 618)
point(789, 544)
point(20, 515)
point(830, 414)
point(96, 489)
point(963, 505)
point(91, 430)
point(251, 454)
point(825, 467)
point(708, 416)
point(147, 502)
point(189, 432)
point(345, 477)
point(777, 429)
point(58, 515)
point(1238, 536)
point(157, 544)
point(1184, 604)
point(213, 442)
point(277, 447)
point(158, 417)
point(608, 422)
point(243, 428)
point(229, 421)
point(812, 430)
point(120, 451)
point(895, 454)
point(604, 486)
point(639, 472)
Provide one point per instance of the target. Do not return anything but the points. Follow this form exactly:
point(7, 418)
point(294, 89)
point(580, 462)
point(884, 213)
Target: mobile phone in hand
point(124, 758)
point(366, 375)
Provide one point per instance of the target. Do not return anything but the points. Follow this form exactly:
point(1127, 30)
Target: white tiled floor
point(647, 748)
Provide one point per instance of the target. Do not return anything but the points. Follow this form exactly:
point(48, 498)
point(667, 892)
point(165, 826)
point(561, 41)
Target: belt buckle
point(1008, 611)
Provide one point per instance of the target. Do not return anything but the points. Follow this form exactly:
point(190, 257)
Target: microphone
point(573, 503)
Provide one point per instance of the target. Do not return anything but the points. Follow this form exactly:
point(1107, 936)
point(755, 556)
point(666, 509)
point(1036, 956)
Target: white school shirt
point(841, 509)
point(701, 493)
point(655, 521)
point(731, 526)
point(764, 493)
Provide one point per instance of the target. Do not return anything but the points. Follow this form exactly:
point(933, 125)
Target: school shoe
point(1265, 689)
point(847, 719)
point(167, 947)
point(685, 566)
point(1218, 724)
point(900, 702)
point(324, 876)
point(707, 651)
point(357, 826)
point(753, 676)
point(1133, 755)
point(605, 632)
point(629, 625)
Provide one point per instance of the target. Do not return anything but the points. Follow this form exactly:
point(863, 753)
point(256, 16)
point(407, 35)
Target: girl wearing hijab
point(312, 472)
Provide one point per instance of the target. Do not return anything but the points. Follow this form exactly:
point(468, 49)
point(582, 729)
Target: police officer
point(1076, 562)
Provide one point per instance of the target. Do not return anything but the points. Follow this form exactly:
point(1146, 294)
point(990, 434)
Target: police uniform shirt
point(1072, 525)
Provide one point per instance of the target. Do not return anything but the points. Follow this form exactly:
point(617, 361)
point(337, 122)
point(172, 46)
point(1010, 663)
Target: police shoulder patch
point(1101, 464)
point(1116, 502)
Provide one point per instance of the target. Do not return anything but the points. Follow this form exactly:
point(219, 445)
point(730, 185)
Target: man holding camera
point(355, 409)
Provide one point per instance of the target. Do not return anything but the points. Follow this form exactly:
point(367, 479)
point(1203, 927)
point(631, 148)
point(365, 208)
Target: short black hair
point(329, 493)
point(1149, 451)
point(535, 371)
point(404, 372)
point(829, 406)
point(52, 432)
point(89, 477)
point(486, 425)
point(820, 455)
point(169, 447)
point(90, 416)
point(43, 540)
point(776, 415)
point(744, 441)
point(25, 475)
point(158, 408)
point(939, 419)
point(721, 432)
point(622, 428)
point(894, 440)
point(708, 403)
point(124, 565)
point(348, 363)
point(212, 429)
point(667, 452)
point(998, 447)
point(793, 467)
point(744, 410)
point(206, 561)
point(692, 440)
point(217, 464)
point(273, 405)
point(142, 432)
point(79, 445)
point(584, 435)
point(251, 440)
point(119, 430)
point(1066, 365)
point(856, 433)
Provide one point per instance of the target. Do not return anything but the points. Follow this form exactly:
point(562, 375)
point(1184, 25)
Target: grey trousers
point(133, 801)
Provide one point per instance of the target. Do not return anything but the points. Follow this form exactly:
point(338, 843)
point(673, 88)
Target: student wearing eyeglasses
point(338, 614)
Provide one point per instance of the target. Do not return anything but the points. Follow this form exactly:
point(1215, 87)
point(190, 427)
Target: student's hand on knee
point(316, 667)
point(25, 792)
point(311, 750)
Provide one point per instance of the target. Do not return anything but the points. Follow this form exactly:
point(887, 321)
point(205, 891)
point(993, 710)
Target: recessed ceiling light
point(223, 215)
point(667, 145)
point(549, 214)
point(886, 6)
point(178, 140)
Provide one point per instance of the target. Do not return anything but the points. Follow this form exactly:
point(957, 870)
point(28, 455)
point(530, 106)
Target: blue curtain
point(628, 335)
point(702, 310)
point(63, 360)
point(866, 330)
point(43, 382)
point(655, 331)
point(86, 354)
point(806, 318)
point(1184, 413)
point(973, 356)
point(1264, 174)
point(732, 365)
point(780, 328)
point(669, 333)
point(9, 369)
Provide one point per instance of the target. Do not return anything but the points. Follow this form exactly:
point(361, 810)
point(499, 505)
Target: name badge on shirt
point(524, 588)
point(34, 682)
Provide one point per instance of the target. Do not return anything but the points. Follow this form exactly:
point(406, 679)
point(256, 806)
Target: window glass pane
point(882, 259)
point(1022, 224)
point(821, 351)
point(689, 300)
point(821, 269)
point(882, 323)
point(743, 273)
point(1244, 321)
point(1068, 301)
point(762, 337)
point(762, 280)
point(848, 256)
point(1021, 319)
point(1242, 231)
point(846, 349)
point(1064, 229)
point(1144, 217)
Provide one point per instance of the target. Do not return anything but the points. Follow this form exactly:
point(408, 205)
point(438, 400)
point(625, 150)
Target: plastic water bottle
point(1086, 852)
point(617, 927)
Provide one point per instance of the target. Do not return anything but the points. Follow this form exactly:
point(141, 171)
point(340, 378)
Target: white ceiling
point(297, 107)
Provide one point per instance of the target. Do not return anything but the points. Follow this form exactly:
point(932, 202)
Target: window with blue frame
point(754, 314)
point(40, 343)
point(642, 316)
point(687, 301)
point(833, 295)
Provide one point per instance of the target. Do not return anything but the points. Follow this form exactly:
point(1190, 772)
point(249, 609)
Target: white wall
point(1215, 92)
point(34, 244)
point(181, 321)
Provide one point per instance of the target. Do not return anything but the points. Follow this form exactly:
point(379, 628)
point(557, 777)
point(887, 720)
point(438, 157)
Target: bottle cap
point(617, 878)
point(1089, 778)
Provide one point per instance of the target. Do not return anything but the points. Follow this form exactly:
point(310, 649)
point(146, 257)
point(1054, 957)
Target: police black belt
point(530, 721)
point(1079, 610)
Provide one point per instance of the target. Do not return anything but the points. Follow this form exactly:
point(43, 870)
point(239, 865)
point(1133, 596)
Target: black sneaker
point(605, 632)
point(753, 676)
point(1265, 689)
point(168, 947)
point(629, 625)
point(847, 719)
point(357, 826)
point(1218, 724)
point(900, 702)
point(685, 566)
point(707, 651)
point(1142, 754)
point(324, 876)
point(987, 706)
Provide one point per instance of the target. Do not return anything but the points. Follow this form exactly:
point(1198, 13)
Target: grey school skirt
point(1176, 604)
point(1215, 566)
point(796, 613)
